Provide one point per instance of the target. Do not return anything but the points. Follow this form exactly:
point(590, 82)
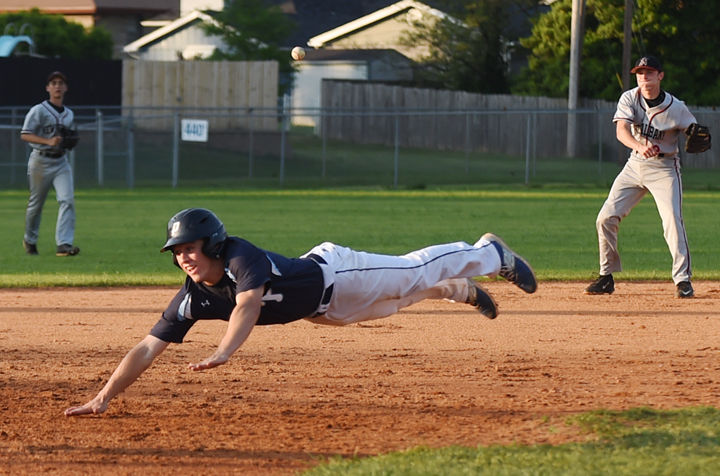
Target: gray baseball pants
point(43, 173)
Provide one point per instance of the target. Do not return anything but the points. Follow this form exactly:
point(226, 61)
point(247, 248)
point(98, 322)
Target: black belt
point(52, 155)
point(316, 258)
point(327, 292)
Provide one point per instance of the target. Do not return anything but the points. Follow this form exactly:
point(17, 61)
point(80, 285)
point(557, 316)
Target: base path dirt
point(436, 374)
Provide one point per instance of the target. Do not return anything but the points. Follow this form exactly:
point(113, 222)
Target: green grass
point(635, 442)
point(120, 232)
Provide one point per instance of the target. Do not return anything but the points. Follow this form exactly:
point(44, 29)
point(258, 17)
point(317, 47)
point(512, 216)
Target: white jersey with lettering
point(661, 126)
point(44, 120)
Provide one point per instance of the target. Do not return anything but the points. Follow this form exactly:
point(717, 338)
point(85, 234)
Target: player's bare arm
point(623, 132)
point(130, 368)
point(52, 142)
point(242, 320)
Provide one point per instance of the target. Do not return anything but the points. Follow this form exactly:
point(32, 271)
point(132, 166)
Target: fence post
point(176, 149)
point(131, 151)
point(323, 134)
point(282, 146)
point(534, 142)
point(13, 146)
point(99, 145)
point(599, 129)
point(250, 142)
point(71, 159)
point(396, 154)
point(527, 148)
point(467, 142)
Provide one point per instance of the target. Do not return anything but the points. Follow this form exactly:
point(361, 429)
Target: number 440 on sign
point(194, 130)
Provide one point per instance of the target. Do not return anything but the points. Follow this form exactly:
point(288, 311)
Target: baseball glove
point(69, 136)
point(698, 138)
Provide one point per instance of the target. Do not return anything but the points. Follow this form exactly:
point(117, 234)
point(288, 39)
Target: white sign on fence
point(194, 130)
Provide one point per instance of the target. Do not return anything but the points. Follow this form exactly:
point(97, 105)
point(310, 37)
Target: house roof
point(87, 7)
point(167, 30)
point(313, 17)
point(379, 15)
point(350, 54)
point(50, 6)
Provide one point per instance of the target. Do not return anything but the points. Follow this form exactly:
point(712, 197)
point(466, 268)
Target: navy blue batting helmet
point(194, 224)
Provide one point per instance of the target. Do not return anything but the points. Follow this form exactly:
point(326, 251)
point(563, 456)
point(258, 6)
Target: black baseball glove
point(69, 136)
point(698, 138)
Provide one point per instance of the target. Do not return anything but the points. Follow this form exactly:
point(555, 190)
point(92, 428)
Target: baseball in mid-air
point(297, 53)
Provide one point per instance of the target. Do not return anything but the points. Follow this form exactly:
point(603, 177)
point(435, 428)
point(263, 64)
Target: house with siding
point(366, 48)
point(122, 18)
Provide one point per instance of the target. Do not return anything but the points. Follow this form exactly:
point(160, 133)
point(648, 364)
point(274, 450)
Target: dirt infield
point(436, 374)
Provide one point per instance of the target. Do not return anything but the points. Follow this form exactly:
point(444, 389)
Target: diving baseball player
point(229, 278)
point(648, 121)
point(48, 167)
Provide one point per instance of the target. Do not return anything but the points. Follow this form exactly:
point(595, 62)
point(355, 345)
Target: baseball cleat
point(512, 266)
point(30, 248)
point(67, 250)
point(604, 284)
point(684, 290)
point(481, 299)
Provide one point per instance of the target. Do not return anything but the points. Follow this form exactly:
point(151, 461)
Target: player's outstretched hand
point(94, 407)
point(208, 363)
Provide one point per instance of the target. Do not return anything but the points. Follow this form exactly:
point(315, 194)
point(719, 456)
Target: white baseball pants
point(660, 177)
point(370, 286)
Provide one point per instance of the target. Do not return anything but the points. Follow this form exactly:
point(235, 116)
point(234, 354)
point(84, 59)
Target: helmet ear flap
point(213, 245)
point(213, 250)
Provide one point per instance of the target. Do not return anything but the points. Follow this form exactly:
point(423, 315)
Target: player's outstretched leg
point(512, 266)
point(481, 299)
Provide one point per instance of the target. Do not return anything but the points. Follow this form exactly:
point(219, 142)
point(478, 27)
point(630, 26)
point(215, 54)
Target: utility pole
point(626, 62)
point(576, 38)
point(627, 45)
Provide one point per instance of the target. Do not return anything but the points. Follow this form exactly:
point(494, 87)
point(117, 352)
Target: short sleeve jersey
point(44, 120)
point(293, 289)
point(660, 125)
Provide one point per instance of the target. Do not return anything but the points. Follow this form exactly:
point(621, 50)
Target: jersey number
point(270, 296)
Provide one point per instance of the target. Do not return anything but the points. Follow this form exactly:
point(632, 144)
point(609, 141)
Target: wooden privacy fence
point(370, 113)
point(152, 90)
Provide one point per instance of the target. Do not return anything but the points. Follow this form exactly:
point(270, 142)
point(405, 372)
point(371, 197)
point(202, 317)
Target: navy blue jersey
point(293, 289)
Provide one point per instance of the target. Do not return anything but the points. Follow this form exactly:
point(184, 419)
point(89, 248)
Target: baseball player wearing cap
point(229, 278)
point(649, 121)
point(48, 167)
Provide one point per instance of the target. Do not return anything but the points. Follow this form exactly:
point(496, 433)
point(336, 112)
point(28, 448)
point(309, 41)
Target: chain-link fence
point(122, 147)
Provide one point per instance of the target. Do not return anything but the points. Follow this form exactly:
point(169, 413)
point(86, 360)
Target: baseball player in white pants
point(371, 286)
point(231, 279)
point(648, 121)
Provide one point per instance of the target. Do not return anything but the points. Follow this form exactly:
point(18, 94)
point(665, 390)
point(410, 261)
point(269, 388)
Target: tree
point(681, 33)
point(56, 37)
point(252, 31)
point(467, 49)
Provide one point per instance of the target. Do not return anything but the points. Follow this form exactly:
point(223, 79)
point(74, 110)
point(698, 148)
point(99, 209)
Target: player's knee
point(67, 203)
point(606, 220)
